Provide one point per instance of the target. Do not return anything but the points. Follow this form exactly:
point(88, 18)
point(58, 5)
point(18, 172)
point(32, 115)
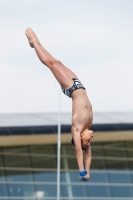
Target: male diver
point(82, 114)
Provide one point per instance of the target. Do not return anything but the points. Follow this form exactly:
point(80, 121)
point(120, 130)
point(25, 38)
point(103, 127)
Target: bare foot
point(85, 178)
point(31, 36)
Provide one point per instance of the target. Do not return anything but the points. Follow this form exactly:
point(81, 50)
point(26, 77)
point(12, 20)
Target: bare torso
point(82, 115)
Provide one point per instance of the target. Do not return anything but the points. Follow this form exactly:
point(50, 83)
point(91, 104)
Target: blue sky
point(94, 38)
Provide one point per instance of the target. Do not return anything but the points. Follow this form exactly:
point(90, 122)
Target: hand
point(92, 135)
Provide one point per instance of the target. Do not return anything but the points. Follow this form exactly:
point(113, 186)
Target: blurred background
point(95, 40)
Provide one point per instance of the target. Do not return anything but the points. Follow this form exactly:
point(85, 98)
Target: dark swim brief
point(76, 85)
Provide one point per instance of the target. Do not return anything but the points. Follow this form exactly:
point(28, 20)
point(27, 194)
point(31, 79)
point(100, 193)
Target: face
point(86, 138)
point(85, 143)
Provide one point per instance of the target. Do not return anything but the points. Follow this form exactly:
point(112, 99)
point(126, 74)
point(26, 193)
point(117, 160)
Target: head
point(86, 138)
point(72, 141)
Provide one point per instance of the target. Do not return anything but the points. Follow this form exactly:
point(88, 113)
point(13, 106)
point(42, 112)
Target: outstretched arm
point(87, 159)
point(78, 148)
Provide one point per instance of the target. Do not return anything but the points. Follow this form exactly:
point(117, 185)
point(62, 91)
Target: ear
point(81, 135)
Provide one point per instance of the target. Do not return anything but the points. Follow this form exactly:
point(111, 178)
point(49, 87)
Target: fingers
point(92, 136)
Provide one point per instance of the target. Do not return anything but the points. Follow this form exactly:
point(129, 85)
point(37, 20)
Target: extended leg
point(67, 70)
point(62, 74)
point(87, 160)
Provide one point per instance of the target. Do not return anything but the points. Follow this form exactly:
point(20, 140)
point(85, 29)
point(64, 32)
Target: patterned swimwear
point(76, 85)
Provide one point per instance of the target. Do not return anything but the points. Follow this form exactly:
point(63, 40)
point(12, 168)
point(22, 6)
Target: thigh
point(69, 72)
point(64, 79)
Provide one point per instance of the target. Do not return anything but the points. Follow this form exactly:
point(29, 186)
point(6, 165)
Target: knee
point(52, 62)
